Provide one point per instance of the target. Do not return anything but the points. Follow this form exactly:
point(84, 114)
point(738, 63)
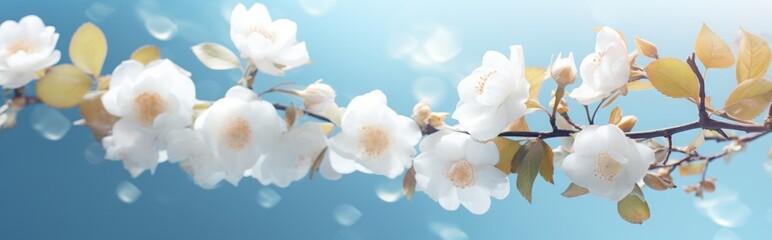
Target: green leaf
point(673, 78)
point(712, 50)
point(633, 208)
point(546, 167)
point(753, 58)
point(63, 87)
point(574, 190)
point(527, 163)
point(88, 48)
point(749, 99)
point(216, 57)
point(507, 149)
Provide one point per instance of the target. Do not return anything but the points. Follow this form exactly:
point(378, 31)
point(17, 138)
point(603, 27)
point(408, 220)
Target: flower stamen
point(148, 106)
point(461, 174)
point(374, 140)
point(606, 167)
point(480, 87)
point(24, 45)
point(238, 133)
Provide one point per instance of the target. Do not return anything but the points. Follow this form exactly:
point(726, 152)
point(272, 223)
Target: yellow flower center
point(374, 140)
point(24, 45)
point(461, 174)
point(148, 106)
point(237, 133)
point(480, 87)
point(606, 167)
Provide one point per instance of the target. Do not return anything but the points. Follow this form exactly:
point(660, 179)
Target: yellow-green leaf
point(657, 183)
point(546, 167)
point(527, 162)
point(216, 56)
point(691, 168)
point(749, 99)
point(574, 190)
point(518, 125)
point(633, 208)
point(535, 77)
point(95, 115)
point(507, 149)
point(673, 78)
point(697, 142)
point(753, 58)
point(146, 54)
point(64, 86)
point(712, 50)
point(639, 85)
point(88, 48)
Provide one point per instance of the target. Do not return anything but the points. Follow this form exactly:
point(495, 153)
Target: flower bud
point(317, 97)
point(563, 70)
point(437, 120)
point(422, 112)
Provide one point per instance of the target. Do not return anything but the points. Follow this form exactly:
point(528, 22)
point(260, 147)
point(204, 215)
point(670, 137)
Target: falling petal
point(429, 88)
point(389, 192)
point(268, 198)
point(443, 45)
point(401, 45)
point(162, 28)
point(724, 207)
point(447, 232)
point(347, 215)
point(317, 7)
point(128, 193)
point(95, 153)
point(725, 234)
point(98, 11)
point(50, 123)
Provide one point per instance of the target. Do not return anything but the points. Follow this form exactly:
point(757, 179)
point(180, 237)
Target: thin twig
point(319, 117)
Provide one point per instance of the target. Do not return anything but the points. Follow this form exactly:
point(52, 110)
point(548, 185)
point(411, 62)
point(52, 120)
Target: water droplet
point(162, 28)
point(268, 198)
point(317, 7)
point(390, 191)
point(209, 90)
point(443, 45)
point(725, 234)
point(429, 88)
point(347, 215)
point(49, 122)
point(401, 45)
point(128, 193)
point(447, 231)
point(724, 207)
point(95, 153)
point(98, 11)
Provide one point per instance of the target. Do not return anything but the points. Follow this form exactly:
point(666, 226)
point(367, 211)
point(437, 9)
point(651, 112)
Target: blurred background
point(55, 184)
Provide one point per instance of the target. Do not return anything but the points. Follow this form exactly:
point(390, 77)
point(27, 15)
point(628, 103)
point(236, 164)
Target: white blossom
point(373, 138)
point(291, 159)
point(318, 97)
point(494, 95)
point(150, 101)
point(26, 47)
point(605, 70)
point(454, 170)
point(270, 45)
point(606, 162)
point(187, 147)
point(239, 128)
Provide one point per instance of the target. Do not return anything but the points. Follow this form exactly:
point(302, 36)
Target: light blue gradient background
point(49, 191)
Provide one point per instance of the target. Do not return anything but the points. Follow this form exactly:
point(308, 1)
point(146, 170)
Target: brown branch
point(318, 117)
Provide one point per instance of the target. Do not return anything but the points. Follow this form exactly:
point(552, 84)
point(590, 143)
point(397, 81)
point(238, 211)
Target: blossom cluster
point(242, 135)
